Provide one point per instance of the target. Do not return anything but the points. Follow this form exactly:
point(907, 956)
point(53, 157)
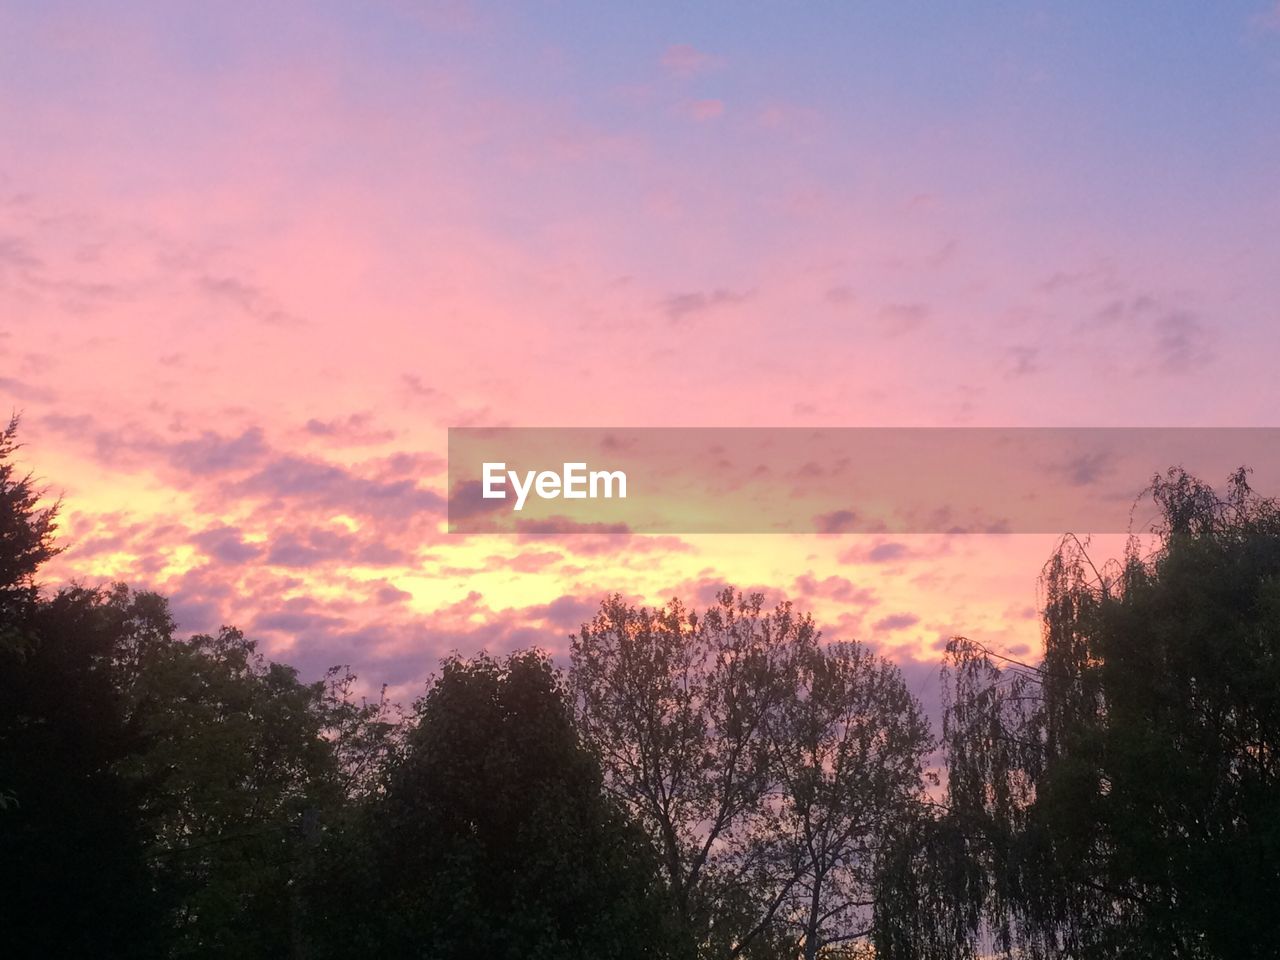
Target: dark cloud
point(1099, 278)
point(682, 306)
point(21, 390)
point(1174, 336)
point(1182, 343)
point(389, 593)
point(214, 453)
point(311, 548)
point(194, 615)
point(225, 545)
point(887, 552)
point(248, 297)
point(291, 478)
point(466, 500)
point(207, 453)
point(838, 521)
point(301, 624)
point(1087, 468)
point(839, 589)
point(1122, 310)
point(566, 612)
point(16, 255)
point(1022, 361)
point(357, 428)
point(896, 621)
point(413, 383)
point(900, 318)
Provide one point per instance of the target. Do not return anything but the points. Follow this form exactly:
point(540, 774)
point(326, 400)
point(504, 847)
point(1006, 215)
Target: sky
point(255, 260)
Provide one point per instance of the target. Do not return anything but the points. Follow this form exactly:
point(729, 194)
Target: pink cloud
point(703, 110)
point(685, 60)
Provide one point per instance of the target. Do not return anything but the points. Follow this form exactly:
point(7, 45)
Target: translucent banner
point(848, 480)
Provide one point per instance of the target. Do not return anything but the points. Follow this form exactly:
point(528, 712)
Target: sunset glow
point(253, 264)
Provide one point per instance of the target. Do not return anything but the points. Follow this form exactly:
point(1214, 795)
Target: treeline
point(697, 784)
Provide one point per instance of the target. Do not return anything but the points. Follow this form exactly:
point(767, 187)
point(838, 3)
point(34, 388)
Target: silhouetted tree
point(73, 839)
point(157, 792)
point(236, 771)
point(495, 838)
point(74, 880)
point(26, 539)
point(765, 766)
point(849, 747)
point(1121, 798)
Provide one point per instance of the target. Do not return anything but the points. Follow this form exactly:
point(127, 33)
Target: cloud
point(356, 428)
point(835, 588)
point(887, 552)
point(703, 110)
point(529, 561)
point(225, 545)
point(838, 521)
point(685, 60)
point(1022, 361)
point(897, 621)
point(414, 385)
point(1182, 343)
point(25, 391)
point(16, 255)
point(900, 318)
point(300, 623)
point(467, 500)
point(213, 453)
point(566, 612)
point(313, 547)
point(1122, 310)
point(248, 297)
point(683, 306)
point(1087, 468)
point(292, 478)
point(389, 593)
point(1099, 278)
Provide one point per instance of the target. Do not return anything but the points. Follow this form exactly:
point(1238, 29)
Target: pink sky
point(253, 265)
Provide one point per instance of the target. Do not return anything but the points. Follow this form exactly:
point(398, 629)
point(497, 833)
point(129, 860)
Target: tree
point(168, 792)
point(158, 797)
point(26, 539)
point(76, 880)
point(763, 765)
point(1120, 799)
point(495, 838)
point(236, 771)
point(850, 750)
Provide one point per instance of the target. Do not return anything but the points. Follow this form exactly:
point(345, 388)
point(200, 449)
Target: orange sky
point(253, 265)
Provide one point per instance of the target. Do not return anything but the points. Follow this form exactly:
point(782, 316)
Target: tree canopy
point(699, 785)
point(766, 766)
point(1119, 798)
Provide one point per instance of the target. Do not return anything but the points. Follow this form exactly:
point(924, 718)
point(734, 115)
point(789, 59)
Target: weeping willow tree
point(1121, 798)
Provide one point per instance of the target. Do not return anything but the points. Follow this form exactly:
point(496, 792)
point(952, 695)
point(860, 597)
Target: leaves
point(1120, 799)
point(764, 765)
